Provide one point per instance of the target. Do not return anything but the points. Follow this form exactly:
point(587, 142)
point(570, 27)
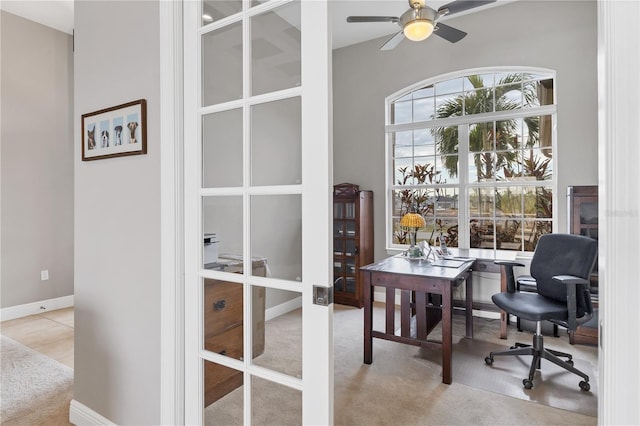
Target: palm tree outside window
point(480, 142)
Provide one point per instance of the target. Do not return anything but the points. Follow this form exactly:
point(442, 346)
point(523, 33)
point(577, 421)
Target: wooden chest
point(223, 333)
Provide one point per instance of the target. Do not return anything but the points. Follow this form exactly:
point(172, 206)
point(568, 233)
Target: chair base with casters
point(539, 352)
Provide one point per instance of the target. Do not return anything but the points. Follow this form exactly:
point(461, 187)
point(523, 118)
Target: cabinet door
point(587, 216)
point(346, 251)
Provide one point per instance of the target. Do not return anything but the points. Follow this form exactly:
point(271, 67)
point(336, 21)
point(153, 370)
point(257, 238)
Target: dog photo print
point(115, 131)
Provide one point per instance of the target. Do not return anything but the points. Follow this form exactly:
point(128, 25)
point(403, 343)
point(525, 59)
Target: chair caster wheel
point(528, 384)
point(513, 347)
point(570, 362)
point(488, 360)
point(585, 386)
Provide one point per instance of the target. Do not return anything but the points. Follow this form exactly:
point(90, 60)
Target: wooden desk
point(418, 282)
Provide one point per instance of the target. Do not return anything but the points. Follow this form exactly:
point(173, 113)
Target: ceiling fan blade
point(393, 41)
point(373, 19)
point(461, 6)
point(449, 33)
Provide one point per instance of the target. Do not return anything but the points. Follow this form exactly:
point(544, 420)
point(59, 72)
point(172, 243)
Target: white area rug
point(34, 389)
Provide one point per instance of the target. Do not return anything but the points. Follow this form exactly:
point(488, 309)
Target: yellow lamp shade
point(412, 220)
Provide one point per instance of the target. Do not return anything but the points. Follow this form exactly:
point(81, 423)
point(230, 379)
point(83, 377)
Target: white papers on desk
point(449, 263)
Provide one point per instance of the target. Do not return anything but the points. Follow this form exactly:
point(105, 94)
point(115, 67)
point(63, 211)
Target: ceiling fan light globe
point(418, 30)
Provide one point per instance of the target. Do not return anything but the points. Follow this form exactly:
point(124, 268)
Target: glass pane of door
point(222, 65)
point(222, 149)
point(223, 398)
point(275, 142)
point(276, 234)
point(275, 49)
point(214, 10)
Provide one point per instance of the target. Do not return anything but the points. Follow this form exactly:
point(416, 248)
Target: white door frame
point(619, 211)
point(171, 216)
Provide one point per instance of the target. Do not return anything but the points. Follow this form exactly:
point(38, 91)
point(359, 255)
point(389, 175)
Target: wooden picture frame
point(115, 132)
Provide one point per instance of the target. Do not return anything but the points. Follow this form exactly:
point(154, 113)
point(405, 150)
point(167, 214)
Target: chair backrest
point(564, 254)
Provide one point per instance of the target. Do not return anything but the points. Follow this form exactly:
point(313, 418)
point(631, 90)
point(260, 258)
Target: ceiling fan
point(420, 21)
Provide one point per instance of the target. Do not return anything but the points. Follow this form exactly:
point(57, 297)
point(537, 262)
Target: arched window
point(473, 153)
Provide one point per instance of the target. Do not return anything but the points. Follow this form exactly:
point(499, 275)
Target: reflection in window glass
point(278, 241)
point(223, 395)
point(274, 404)
point(214, 10)
point(222, 149)
point(281, 331)
point(222, 223)
point(222, 65)
point(276, 143)
point(275, 49)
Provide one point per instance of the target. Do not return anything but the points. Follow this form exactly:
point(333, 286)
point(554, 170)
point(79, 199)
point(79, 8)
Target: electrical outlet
point(44, 275)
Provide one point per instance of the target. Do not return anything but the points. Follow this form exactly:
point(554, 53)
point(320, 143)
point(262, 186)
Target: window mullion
point(463, 196)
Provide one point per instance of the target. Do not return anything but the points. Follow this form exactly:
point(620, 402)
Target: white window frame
point(463, 122)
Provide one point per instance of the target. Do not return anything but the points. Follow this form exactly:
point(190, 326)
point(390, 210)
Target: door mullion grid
point(246, 208)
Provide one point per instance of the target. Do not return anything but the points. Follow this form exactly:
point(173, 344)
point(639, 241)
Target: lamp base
point(415, 251)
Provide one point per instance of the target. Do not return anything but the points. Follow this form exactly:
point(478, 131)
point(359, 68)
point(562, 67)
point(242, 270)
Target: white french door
point(258, 180)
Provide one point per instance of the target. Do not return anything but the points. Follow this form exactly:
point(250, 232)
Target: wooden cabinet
point(352, 241)
point(583, 218)
point(223, 327)
point(582, 204)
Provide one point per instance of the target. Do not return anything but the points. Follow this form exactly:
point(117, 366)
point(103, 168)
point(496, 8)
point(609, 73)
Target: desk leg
point(421, 315)
point(405, 313)
point(503, 315)
point(447, 318)
point(368, 318)
point(469, 306)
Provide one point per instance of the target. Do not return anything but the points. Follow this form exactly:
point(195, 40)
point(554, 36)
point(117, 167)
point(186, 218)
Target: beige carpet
point(404, 386)
point(35, 389)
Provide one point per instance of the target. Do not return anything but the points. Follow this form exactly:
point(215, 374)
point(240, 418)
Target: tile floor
point(50, 333)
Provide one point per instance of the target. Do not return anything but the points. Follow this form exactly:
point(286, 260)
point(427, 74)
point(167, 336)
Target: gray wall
point(117, 218)
point(37, 150)
point(556, 35)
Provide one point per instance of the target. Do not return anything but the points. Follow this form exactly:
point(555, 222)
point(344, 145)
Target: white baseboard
point(19, 311)
point(283, 308)
point(81, 415)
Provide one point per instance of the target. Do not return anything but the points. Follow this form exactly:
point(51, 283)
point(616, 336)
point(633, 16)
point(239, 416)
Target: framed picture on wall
point(115, 132)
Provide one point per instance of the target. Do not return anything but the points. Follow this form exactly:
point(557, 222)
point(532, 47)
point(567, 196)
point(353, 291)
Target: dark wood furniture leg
point(405, 313)
point(447, 318)
point(368, 318)
point(503, 315)
point(469, 306)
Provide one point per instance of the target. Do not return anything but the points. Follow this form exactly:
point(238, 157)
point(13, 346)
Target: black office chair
point(523, 283)
point(561, 266)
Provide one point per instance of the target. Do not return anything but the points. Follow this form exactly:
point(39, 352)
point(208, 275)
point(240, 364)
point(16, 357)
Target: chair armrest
point(570, 279)
point(507, 263)
point(572, 303)
point(507, 272)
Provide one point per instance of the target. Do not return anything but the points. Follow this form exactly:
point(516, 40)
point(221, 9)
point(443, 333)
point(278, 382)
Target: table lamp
point(412, 222)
